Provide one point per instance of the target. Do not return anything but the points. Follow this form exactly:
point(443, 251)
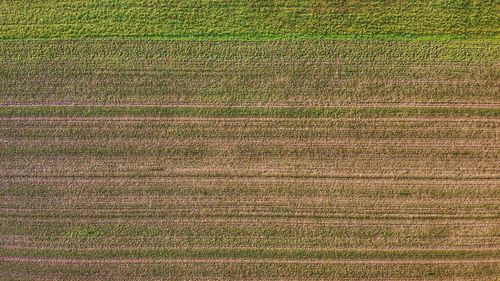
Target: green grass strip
point(284, 19)
point(296, 254)
point(267, 38)
point(157, 111)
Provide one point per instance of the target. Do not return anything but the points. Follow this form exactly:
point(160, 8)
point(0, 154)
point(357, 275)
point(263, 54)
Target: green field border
point(269, 38)
point(294, 254)
point(291, 112)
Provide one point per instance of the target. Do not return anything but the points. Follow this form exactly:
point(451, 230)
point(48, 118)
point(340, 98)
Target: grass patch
point(221, 20)
point(256, 253)
point(156, 111)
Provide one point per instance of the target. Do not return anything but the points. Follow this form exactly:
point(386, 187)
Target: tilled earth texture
point(249, 140)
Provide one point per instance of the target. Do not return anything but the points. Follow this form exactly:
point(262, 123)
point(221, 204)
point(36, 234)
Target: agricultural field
point(249, 140)
point(251, 20)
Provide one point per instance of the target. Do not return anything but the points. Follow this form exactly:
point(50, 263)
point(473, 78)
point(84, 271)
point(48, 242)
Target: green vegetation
point(257, 254)
point(218, 19)
point(157, 111)
point(306, 73)
point(245, 270)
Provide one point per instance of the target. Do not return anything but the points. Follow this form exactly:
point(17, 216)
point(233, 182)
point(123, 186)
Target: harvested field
point(250, 197)
point(268, 140)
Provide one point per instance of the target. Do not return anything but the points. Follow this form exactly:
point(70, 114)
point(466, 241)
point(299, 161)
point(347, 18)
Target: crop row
point(305, 73)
